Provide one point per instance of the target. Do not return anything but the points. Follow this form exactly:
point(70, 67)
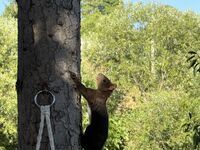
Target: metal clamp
point(40, 92)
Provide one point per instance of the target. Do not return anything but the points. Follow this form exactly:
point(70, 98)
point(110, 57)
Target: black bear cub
point(97, 131)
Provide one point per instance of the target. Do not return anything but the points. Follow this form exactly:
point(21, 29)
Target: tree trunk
point(48, 46)
point(152, 62)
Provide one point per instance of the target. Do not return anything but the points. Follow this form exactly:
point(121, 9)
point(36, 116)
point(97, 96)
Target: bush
point(168, 121)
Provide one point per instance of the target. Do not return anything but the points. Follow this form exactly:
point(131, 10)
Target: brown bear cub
point(97, 131)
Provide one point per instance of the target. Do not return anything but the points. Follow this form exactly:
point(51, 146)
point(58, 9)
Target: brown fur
point(96, 99)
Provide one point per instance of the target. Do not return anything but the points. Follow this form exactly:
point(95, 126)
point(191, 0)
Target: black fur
point(96, 133)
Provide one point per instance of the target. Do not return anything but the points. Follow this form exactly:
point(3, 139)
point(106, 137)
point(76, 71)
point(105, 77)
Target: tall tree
point(145, 43)
point(93, 10)
point(8, 53)
point(11, 10)
point(48, 46)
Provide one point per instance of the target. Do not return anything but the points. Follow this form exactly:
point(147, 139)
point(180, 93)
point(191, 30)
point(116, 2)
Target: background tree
point(144, 49)
point(8, 68)
point(11, 10)
point(48, 46)
point(133, 32)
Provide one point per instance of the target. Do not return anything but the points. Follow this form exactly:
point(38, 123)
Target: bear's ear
point(112, 87)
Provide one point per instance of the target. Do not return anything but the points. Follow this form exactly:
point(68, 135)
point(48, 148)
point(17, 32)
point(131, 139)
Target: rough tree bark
point(48, 46)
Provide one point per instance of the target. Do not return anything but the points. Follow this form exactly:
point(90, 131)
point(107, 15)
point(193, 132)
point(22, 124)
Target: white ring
point(53, 96)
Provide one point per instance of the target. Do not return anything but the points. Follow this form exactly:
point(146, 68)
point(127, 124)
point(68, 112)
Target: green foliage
point(142, 45)
point(91, 7)
point(118, 133)
point(144, 49)
point(95, 9)
point(167, 121)
point(8, 107)
point(11, 10)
